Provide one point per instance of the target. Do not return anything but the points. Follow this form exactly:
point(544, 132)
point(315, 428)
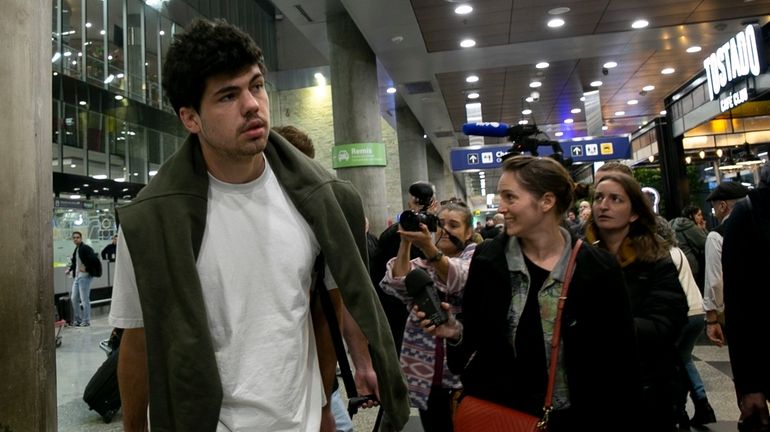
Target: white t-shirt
point(255, 267)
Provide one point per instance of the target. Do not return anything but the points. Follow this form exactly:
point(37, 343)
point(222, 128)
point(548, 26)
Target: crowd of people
point(222, 330)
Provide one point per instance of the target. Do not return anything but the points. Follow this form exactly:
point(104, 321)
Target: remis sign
point(741, 56)
point(358, 155)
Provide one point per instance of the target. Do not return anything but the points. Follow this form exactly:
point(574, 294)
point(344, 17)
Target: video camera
point(522, 138)
point(410, 220)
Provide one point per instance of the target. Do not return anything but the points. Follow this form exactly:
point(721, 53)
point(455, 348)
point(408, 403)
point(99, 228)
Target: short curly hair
point(206, 49)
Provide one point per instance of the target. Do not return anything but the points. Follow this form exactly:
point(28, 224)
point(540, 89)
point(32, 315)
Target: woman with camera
point(432, 386)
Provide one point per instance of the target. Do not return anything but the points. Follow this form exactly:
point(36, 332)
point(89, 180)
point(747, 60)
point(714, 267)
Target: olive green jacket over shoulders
point(164, 229)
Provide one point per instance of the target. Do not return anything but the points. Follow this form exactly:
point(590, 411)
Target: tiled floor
point(79, 356)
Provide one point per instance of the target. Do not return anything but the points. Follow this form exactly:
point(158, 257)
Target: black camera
point(411, 220)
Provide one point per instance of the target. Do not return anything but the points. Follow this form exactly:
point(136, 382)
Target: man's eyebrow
point(230, 88)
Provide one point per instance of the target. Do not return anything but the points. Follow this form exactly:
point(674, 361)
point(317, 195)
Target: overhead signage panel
point(741, 56)
point(591, 150)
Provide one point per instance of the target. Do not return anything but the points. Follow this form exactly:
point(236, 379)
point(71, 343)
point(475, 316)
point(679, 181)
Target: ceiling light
point(75, 197)
point(664, 112)
point(467, 43)
point(529, 99)
point(559, 133)
point(640, 23)
point(118, 97)
point(102, 32)
point(596, 83)
point(648, 88)
point(526, 111)
point(82, 103)
point(693, 49)
point(668, 71)
point(620, 113)
point(523, 122)
point(651, 158)
point(390, 90)
point(719, 152)
point(568, 121)
point(575, 110)
point(582, 98)
point(397, 39)
point(473, 95)
point(555, 23)
point(542, 65)
point(559, 10)
point(56, 56)
point(632, 102)
point(702, 154)
point(605, 127)
point(610, 64)
point(109, 79)
point(463, 9)
point(535, 84)
point(472, 78)
point(688, 159)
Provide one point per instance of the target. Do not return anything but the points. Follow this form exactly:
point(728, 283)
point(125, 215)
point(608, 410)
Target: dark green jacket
point(164, 228)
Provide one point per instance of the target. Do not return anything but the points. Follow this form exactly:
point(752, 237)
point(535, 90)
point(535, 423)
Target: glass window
point(96, 35)
point(56, 151)
point(56, 54)
point(116, 68)
point(135, 49)
point(97, 156)
point(116, 140)
point(137, 152)
point(151, 65)
point(72, 37)
point(166, 33)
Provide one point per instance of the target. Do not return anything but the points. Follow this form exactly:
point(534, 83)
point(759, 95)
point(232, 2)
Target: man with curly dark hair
point(215, 268)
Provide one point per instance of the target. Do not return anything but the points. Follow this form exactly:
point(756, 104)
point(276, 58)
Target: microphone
point(490, 129)
point(420, 287)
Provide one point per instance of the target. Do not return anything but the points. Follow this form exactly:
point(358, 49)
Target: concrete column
point(356, 107)
point(27, 352)
point(412, 157)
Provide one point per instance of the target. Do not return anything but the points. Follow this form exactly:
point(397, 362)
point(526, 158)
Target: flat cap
point(728, 191)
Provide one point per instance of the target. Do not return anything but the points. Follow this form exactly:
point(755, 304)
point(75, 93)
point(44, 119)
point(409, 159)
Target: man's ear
point(190, 119)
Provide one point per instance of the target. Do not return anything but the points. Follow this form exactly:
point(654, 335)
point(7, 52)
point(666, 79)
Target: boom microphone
point(489, 129)
point(420, 287)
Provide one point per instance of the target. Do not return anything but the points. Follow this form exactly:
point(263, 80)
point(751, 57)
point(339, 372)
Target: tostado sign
point(741, 56)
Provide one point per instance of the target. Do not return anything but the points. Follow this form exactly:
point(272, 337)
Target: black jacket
point(745, 257)
point(87, 257)
point(599, 348)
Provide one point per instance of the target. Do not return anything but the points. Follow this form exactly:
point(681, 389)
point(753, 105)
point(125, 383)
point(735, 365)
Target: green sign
point(358, 155)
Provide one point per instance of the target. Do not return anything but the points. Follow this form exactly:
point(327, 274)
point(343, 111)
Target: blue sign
point(591, 150)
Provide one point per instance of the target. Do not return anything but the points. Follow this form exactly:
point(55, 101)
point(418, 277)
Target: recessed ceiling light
point(668, 71)
point(648, 88)
point(535, 84)
point(694, 49)
point(663, 112)
point(632, 102)
point(463, 9)
point(542, 65)
point(568, 121)
point(605, 127)
point(529, 99)
point(559, 133)
point(82, 103)
point(526, 111)
point(620, 113)
point(582, 98)
point(575, 110)
point(118, 97)
point(559, 10)
point(596, 83)
point(523, 122)
point(610, 64)
point(555, 23)
point(473, 95)
point(640, 23)
point(390, 90)
point(467, 43)
point(471, 78)
point(397, 39)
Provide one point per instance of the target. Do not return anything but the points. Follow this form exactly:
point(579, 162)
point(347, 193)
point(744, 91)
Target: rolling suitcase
point(101, 393)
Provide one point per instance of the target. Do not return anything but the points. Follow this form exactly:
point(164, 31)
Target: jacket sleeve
point(663, 312)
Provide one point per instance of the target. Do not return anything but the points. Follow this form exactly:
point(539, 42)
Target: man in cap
point(722, 199)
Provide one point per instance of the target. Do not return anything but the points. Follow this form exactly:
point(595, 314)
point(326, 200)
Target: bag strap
point(548, 406)
point(334, 328)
